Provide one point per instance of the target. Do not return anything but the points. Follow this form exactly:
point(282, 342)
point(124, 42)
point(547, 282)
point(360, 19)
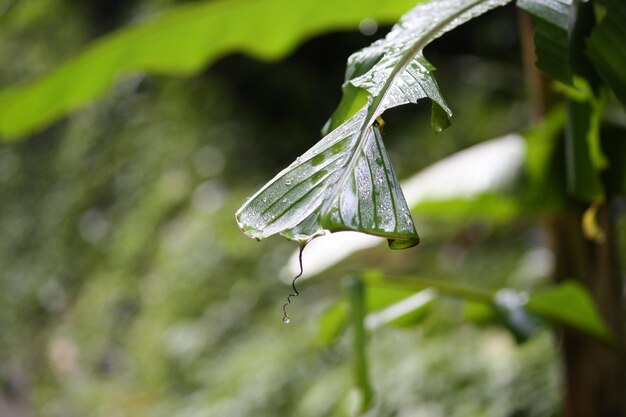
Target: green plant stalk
point(582, 176)
point(356, 295)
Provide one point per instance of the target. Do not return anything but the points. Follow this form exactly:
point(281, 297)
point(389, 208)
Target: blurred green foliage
point(127, 289)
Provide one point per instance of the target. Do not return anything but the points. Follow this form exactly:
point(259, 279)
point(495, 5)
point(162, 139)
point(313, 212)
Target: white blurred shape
point(208, 197)
point(52, 296)
point(536, 264)
point(93, 225)
point(209, 161)
point(368, 26)
point(491, 165)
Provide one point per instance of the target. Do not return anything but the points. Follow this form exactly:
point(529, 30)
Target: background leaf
point(551, 19)
point(606, 47)
point(570, 304)
point(180, 41)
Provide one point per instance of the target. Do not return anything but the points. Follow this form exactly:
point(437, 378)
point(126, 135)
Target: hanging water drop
point(286, 320)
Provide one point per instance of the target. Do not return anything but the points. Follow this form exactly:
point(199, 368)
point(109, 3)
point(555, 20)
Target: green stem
point(356, 291)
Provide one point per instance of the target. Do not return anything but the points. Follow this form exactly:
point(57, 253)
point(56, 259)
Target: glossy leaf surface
point(394, 71)
point(342, 183)
point(346, 182)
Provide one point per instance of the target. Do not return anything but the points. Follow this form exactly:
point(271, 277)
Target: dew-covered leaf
point(345, 181)
point(394, 71)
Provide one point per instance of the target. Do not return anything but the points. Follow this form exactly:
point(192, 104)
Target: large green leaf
point(342, 183)
point(345, 182)
point(369, 69)
point(607, 48)
point(571, 304)
point(181, 41)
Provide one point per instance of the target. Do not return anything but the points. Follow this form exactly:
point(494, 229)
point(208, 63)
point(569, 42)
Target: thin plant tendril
point(295, 293)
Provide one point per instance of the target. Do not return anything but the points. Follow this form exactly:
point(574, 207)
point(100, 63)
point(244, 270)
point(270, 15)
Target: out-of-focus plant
point(346, 181)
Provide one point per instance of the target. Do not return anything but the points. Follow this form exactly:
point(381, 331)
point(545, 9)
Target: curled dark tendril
point(295, 293)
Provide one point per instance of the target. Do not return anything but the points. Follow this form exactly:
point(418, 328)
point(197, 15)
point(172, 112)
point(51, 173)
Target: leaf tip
point(403, 243)
point(248, 230)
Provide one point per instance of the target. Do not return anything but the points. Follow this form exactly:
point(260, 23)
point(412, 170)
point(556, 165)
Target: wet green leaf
point(345, 181)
